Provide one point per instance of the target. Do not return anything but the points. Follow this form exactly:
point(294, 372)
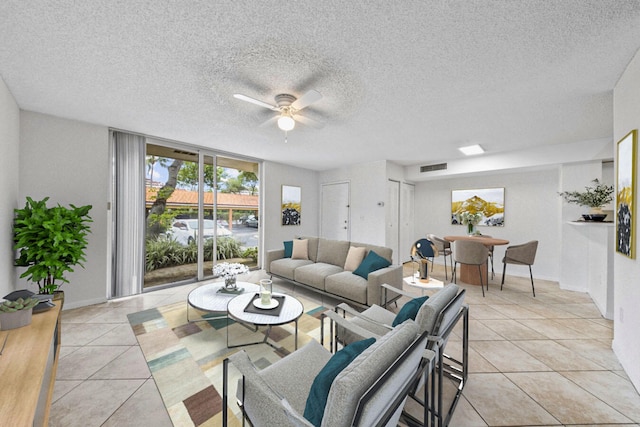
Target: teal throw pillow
point(409, 310)
point(317, 399)
point(288, 248)
point(371, 263)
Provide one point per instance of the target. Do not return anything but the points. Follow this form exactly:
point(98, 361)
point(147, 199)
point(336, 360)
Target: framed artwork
point(291, 205)
point(484, 206)
point(626, 194)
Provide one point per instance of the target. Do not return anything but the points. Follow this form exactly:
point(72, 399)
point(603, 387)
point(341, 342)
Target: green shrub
point(162, 252)
point(228, 248)
point(251, 253)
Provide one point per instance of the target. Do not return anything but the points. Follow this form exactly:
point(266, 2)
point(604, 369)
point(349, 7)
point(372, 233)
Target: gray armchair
point(437, 317)
point(524, 254)
point(370, 391)
point(470, 253)
point(444, 249)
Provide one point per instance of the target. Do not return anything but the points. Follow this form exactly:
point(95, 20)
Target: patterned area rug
point(185, 358)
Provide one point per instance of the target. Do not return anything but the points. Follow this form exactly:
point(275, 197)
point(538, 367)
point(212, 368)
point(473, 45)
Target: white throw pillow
point(300, 249)
point(354, 258)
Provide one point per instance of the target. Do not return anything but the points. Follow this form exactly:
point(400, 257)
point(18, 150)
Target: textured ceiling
point(404, 81)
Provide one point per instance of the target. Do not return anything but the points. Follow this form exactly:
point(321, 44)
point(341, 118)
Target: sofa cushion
point(300, 249)
point(313, 246)
point(314, 274)
point(332, 252)
point(371, 262)
point(384, 252)
point(409, 310)
point(354, 258)
point(288, 248)
point(284, 267)
point(347, 285)
point(317, 400)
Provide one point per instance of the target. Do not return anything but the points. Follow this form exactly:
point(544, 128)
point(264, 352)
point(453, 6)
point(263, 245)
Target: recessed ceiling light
point(471, 150)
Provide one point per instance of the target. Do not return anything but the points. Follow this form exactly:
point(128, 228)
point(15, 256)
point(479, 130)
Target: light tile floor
point(543, 361)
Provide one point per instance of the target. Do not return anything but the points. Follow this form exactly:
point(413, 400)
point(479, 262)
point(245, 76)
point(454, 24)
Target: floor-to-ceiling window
point(199, 209)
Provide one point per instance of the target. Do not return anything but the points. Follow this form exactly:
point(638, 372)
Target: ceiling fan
point(288, 108)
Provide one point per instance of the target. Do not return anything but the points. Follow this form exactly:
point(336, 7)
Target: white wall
point(9, 161)
point(368, 187)
point(531, 213)
point(574, 240)
point(626, 341)
point(69, 162)
point(275, 176)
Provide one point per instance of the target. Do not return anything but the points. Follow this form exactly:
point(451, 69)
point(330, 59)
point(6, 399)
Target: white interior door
point(334, 214)
point(407, 233)
point(392, 235)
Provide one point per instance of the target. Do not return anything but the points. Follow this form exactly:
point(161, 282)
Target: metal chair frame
point(424, 369)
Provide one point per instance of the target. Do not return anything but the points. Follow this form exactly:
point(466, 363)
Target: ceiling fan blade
point(255, 101)
point(309, 122)
point(307, 99)
point(269, 121)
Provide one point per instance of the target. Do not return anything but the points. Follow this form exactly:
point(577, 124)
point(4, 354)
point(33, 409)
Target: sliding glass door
point(172, 222)
point(197, 209)
point(236, 207)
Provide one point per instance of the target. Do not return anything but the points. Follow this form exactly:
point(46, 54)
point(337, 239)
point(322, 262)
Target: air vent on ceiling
point(431, 168)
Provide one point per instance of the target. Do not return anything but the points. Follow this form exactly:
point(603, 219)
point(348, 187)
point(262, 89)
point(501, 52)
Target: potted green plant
point(16, 314)
point(50, 241)
point(594, 197)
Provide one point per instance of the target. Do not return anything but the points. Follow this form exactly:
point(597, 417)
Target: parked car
point(185, 231)
point(252, 221)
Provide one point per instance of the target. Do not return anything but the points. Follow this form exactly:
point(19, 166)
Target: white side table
point(291, 311)
point(423, 285)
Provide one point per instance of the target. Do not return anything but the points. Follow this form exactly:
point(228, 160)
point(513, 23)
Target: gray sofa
point(324, 271)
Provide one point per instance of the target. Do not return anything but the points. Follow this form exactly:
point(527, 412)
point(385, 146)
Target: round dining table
point(469, 273)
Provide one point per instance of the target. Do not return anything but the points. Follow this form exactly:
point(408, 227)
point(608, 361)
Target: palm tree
point(151, 162)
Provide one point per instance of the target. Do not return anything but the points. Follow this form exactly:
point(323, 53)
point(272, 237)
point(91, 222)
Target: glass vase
point(265, 291)
point(230, 283)
point(471, 229)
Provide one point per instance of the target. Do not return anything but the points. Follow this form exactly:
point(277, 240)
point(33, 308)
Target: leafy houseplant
point(50, 241)
point(593, 197)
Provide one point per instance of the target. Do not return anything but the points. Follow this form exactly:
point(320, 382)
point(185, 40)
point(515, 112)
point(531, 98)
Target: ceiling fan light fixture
point(286, 123)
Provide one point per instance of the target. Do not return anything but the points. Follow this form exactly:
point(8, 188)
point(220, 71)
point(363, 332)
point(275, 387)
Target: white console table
point(587, 262)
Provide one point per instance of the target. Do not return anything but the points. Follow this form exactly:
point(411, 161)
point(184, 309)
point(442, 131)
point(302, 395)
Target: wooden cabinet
point(28, 370)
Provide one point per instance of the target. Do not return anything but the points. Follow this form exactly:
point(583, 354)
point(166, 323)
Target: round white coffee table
point(212, 299)
point(291, 311)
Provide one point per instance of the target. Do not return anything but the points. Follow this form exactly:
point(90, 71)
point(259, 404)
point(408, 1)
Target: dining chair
point(444, 249)
point(470, 252)
point(493, 273)
point(524, 254)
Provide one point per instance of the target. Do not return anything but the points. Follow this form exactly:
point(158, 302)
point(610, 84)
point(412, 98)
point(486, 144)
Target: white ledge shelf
point(597, 223)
